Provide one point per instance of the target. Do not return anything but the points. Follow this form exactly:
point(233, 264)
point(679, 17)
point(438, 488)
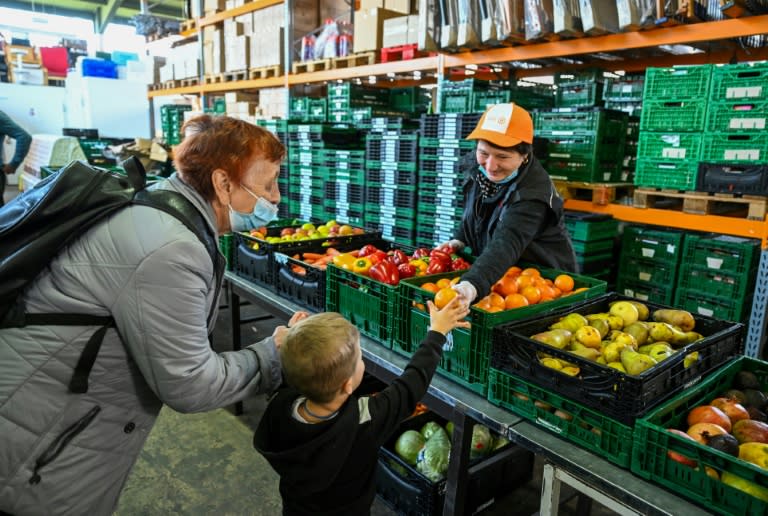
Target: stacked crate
point(735, 132)
point(280, 129)
point(440, 193)
point(470, 95)
point(584, 144)
point(629, 164)
point(345, 190)
point(717, 276)
point(649, 263)
point(624, 94)
point(411, 100)
point(307, 175)
point(171, 119)
point(583, 88)
point(532, 95)
point(391, 172)
point(593, 236)
point(308, 109)
point(351, 103)
point(671, 124)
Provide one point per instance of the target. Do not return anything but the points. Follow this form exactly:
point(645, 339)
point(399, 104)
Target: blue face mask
point(506, 180)
point(263, 213)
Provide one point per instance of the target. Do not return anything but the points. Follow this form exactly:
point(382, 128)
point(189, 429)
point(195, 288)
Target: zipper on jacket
point(58, 444)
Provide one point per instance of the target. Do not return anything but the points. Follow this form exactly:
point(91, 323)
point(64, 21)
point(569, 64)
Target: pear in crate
point(635, 363)
point(589, 336)
point(557, 338)
point(602, 326)
point(626, 338)
point(660, 332)
point(680, 318)
point(590, 354)
point(626, 310)
point(614, 321)
point(639, 330)
point(570, 322)
point(612, 351)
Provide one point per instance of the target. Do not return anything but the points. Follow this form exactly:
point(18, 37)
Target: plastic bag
point(468, 17)
point(636, 14)
point(567, 18)
point(538, 19)
point(429, 25)
point(599, 16)
point(325, 44)
point(509, 17)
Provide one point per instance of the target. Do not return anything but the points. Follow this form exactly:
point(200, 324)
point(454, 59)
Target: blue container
point(99, 68)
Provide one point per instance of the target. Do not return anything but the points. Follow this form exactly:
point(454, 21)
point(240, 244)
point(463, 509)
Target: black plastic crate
point(441, 166)
point(448, 125)
point(345, 192)
point(391, 195)
point(617, 395)
point(736, 178)
point(392, 176)
point(408, 492)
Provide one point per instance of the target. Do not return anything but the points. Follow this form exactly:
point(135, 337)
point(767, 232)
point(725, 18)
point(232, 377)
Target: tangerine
point(531, 271)
point(506, 286)
point(515, 301)
point(494, 308)
point(513, 271)
point(496, 300)
point(564, 282)
point(532, 294)
point(444, 296)
point(443, 283)
point(523, 281)
point(430, 287)
point(483, 304)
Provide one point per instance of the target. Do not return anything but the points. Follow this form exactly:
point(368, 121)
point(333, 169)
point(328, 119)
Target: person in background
point(68, 453)
point(512, 211)
point(321, 438)
point(23, 140)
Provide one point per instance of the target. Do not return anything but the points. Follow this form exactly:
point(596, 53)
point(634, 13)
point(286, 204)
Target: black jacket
point(330, 468)
point(522, 222)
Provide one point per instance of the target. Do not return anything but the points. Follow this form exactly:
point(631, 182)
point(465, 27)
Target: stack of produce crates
point(583, 144)
point(583, 88)
point(594, 237)
point(717, 276)
point(470, 95)
point(737, 119)
point(532, 95)
point(649, 263)
point(171, 119)
point(279, 128)
point(345, 189)
point(411, 100)
point(440, 194)
point(671, 125)
point(352, 103)
point(629, 164)
point(308, 109)
point(391, 183)
point(624, 94)
point(594, 405)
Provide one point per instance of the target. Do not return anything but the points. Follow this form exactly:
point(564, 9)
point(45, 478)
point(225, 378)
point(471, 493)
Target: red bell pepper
point(377, 256)
point(420, 252)
point(436, 254)
point(406, 270)
point(460, 264)
point(367, 250)
point(385, 272)
point(437, 266)
point(399, 257)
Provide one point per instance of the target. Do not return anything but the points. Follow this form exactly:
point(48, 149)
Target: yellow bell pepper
point(361, 266)
point(344, 261)
point(421, 266)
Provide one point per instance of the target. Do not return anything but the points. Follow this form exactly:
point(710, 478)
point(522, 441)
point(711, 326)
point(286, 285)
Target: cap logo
point(498, 118)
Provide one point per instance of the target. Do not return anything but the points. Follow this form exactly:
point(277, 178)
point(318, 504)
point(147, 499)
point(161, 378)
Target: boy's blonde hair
point(319, 354)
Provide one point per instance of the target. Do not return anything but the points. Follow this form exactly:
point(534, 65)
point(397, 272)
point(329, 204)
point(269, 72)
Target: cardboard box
point(395, 32)
point(369, 28)
point(371, 4)
point(401, 6)
point(412, 38)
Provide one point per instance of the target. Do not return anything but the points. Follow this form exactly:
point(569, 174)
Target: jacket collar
point(176, 184)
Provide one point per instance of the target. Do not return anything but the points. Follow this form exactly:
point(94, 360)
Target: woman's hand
point(296, 317)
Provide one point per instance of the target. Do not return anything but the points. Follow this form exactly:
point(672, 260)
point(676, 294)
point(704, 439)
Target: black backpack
point(39, 223)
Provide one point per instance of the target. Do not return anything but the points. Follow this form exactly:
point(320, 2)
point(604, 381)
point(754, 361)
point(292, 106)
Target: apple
point(732, 408)
point(286, 231)
point(308, 227)
point(358, 231)
point(345, 230)
point(678, 457)
point(334, 229)
point(701, 432)
point(709, 414)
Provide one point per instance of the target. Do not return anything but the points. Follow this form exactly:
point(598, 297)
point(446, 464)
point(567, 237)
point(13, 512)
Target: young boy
point(321, 439)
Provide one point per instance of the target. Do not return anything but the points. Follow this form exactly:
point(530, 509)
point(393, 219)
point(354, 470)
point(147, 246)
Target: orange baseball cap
point(504, 125)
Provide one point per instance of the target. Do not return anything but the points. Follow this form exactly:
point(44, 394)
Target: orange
point(564, 282)
point(494, 308)
point(531, 271)
point(419, 306)
point(515, 301)
point(483, 304)
point(513, 271)
point(429, 286)
point(444, 296)
point(532, 294)
point(496, 300)
point(547, 293)
point(523, 281)
point(443, 282)
point(507, 286)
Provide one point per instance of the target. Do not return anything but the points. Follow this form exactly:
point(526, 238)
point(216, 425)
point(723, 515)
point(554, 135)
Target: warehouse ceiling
point(102, 12)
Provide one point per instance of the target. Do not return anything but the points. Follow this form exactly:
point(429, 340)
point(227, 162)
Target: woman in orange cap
point(512, 211)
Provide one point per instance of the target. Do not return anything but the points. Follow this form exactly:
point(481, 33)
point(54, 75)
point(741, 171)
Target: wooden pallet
point(599, 193)
point(401, 53)
point(173, 83)
point(214, 78)
point(190, 81)
point(188, 25)
point(155, 87)
point(239, 75)
point(264, 72)
point(702, 203)
point(359, 59)
point(312, 66)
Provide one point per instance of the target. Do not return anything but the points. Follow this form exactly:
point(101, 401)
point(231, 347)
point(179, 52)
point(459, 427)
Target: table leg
point(550, 492)
point(456, 484)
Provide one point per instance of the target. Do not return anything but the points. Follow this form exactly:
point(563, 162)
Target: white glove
point(456, 245)
point(466, 292)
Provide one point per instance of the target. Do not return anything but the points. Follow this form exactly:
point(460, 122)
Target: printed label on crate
point(691, 383)
point(705, 311)
point(644, 276)
point(747, 123)
point(606, 176)
point(714, 263)
point(673, 152)
point(549, 426)
point(671, 248)
point(740, 92)
point(389, 176)
point(647, 253)
point(389, 196)
point(562, 133)
point(742, 154)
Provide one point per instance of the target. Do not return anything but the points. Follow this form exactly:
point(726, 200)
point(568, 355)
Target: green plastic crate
point(738, 116)
point(652, 244)
point(585, 170)
point(699, 303)
point(587, 227)
point(657, 273)
point(643, 291)
point(589, 428)
point(673, 115)
point(719, 284)
point(584, 94)
point(669, 146)
point(473, 369)
point(225, 246)
point(652, 444)
point(742, 81)
point(675, 175)
point(678, 82)
point(725, 253)
point(565, 122)
point(624, 89)
point(751, 147)
point(592, 246)
point(585, 147)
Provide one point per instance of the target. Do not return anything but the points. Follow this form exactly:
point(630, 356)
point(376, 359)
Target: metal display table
point(566, 463)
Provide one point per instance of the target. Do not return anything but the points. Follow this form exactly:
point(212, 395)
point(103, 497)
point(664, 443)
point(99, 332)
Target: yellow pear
point(557, 338)
point(660, 351)
point(618, 366)
point(635, 363)
point(612, 352)
point(601, 325)
point(626, 338)
point(552, 363)
point(588, 353)
point(642, 310)
point(570, 322)
point(690, 359)
point(626, 310)
point(570, 370)
point(589, 336)
point(756, 453)
point(660, 332)
point(680, 318)
point(639, 330)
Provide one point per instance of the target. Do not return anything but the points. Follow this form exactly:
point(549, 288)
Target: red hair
point(212, 142)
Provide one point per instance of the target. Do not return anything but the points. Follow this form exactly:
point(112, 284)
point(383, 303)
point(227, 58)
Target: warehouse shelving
point(637, 53)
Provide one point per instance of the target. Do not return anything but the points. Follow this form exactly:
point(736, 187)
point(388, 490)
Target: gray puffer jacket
point(148, 271)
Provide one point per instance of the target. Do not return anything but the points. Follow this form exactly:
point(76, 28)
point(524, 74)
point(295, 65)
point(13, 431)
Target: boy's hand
point(298, 316)
point(450, 317)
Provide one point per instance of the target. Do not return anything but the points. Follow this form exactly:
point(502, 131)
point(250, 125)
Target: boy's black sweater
point(330, 468)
